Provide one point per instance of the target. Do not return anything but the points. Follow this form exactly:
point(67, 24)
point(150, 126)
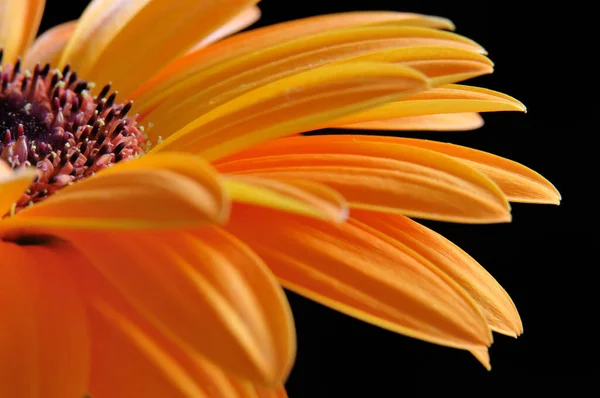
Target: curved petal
point(127, 362)
point(239, 22)
point(446, 122)
point(439, 100)
point(498, 308)
point(295, 104)
point(155, 191)
point(296, 196)
point(203, 291)
point(131, 357)
point(212, 87)
point(519, 183)
point(271, 297)
point(19, 22)
point(349, 269)
point(449, 61)
point(126, 46)
point(273, 35)
point(44, 338)
point(391, 178)
point(483, 356)
point(100, 21)
point(271, 393)
point(49, 46)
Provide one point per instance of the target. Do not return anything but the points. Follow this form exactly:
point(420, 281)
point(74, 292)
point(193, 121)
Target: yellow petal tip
point(442, 23)
point(483, 356)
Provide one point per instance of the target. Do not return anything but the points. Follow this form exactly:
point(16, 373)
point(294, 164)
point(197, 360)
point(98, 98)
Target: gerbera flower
point(130, 266)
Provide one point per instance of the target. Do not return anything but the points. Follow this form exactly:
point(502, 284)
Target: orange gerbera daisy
point(131, 267)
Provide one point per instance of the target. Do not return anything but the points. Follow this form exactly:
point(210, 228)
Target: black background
point(535, 257)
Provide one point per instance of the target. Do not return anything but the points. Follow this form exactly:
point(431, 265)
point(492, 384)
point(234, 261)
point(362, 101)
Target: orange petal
point(351, 270)
point(44, 338)
point(440, 100)
point(271, 393)
point(266, 287)
point(192, 167)
point(131, 357)
point(301, 197)
point(519, 183)
point(447, 122)
point(49, 46)
point(273, 35)
point(402, 232)
point(483, 356)
point(98, 24)
point(204, 291)
point(391, 178)
point(127, 362)
point(125, 45)
point(239, 22)
point(19, 22)
point(156, 191)
point(209, 88)
point(12, 185)
point(294, 104)
point(454, 60)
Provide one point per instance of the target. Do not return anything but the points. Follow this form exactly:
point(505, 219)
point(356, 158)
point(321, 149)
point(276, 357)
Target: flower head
point(51, 121)
point(145, 236)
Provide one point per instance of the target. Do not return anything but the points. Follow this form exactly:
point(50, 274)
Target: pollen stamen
point(50, 121)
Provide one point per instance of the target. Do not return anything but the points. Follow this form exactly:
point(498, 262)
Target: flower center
point(50, 121)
